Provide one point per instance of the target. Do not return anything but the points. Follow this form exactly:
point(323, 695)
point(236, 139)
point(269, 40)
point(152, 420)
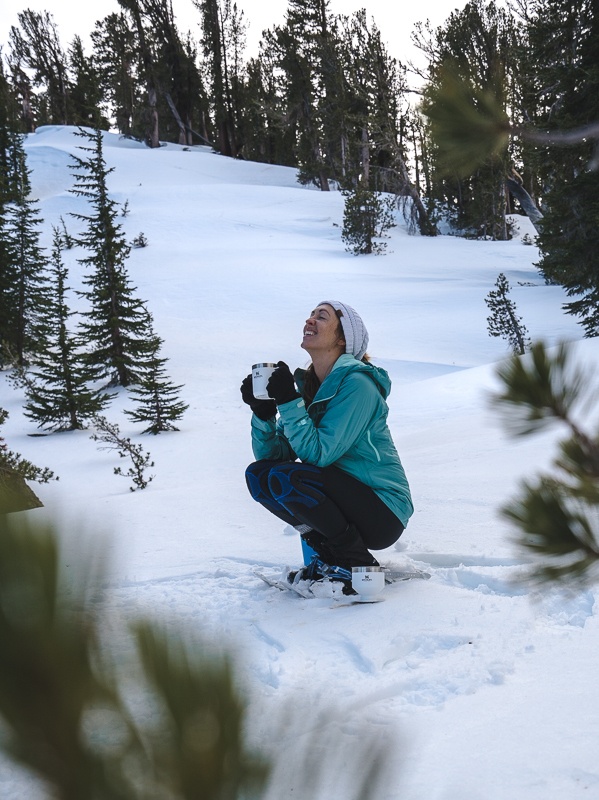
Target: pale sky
point(394, 19)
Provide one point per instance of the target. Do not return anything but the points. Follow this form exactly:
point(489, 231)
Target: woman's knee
point(258, 477)
point(294, 482)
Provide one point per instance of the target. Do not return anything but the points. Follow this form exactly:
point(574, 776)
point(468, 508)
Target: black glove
point(281, 385)
point(265, 409)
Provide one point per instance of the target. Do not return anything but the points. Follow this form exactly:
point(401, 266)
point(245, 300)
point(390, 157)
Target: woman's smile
point(321, 325)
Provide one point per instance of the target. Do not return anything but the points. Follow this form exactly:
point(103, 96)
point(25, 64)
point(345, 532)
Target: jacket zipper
point(378, 456)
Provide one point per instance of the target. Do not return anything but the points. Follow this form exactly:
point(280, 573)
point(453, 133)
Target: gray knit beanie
point(354, 330)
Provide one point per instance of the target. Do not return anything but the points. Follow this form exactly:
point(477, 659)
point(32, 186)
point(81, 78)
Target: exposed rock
point(15, 493)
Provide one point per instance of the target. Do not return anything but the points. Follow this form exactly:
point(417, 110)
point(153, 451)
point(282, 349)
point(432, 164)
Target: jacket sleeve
point(346, 419)
point(269, 441)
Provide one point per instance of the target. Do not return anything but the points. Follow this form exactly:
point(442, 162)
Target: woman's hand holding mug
point(264, 409)
point(281, 386)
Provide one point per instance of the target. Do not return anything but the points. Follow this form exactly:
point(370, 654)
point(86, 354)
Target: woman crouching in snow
point(348, 493)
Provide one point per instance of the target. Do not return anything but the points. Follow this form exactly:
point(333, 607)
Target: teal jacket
point(345, 427)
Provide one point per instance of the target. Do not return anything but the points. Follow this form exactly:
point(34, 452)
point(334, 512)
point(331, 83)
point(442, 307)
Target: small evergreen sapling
point(504, 320)
point(157, 397)
point(109, 435)
point(140, 241)
point(367, 216)
point(66, 240)
point(557, 513)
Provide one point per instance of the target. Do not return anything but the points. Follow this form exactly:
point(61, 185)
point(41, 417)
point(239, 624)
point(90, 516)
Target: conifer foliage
point(158, 404)
point(54, 688)
point(564, 67)
point(57, 386)
point(557, 514)
point(111, 438)
point(115, 326)
point(70, 696)
point(504, 321)
point(366, 218)
point(22, 281)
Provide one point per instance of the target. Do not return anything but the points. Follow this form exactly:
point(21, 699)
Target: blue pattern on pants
point(295, 483)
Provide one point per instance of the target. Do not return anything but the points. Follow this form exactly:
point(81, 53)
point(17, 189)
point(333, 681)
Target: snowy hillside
point(488, 689)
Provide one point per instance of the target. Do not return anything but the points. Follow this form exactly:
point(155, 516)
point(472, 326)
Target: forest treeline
point(324, 95)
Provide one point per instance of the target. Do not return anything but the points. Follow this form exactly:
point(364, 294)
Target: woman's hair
point(311, 381)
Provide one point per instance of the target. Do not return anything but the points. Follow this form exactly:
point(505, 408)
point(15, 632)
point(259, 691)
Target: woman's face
point(322, 331)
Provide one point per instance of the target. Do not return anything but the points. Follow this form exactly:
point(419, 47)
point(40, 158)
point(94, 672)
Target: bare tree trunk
point(425, 226)
point(343, 154)
point(324, 181)
point(185, 130)
point(152, 131)
point(526, 201)
point(365, 151)
point(178, 120)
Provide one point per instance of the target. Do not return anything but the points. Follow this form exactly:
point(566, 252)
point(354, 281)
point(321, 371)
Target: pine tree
point(115, 327)
point(565, 62)
point(558, 131)
point(504, 320)
point(148, 70)
point(7, 276)
point(58, 396)
point(10, 185)
point(263, 122)
point(223, 40)
point(170, 63)
point(305, 50)
point(116, 54)
point(157, 398)
point(569, 245)
point(471, 63)
point(9, 116)
point(23, 283)
point(367, 216)
point(86, 97)
point(369, 115)
point(36, 46)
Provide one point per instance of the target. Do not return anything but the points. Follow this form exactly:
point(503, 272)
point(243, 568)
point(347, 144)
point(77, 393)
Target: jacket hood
point(345, 364)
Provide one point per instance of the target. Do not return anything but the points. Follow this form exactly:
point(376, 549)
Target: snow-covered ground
point(482, 687)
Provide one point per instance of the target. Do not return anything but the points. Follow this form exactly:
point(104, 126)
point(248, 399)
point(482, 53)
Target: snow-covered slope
point(489, 688)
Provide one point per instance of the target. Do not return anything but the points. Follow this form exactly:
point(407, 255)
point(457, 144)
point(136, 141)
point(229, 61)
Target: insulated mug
point(260, 376)
point(367, 581)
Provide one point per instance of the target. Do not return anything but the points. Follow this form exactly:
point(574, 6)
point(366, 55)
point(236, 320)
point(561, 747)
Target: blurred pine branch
point(166, 721)
point(557, 514)
point(469, 125)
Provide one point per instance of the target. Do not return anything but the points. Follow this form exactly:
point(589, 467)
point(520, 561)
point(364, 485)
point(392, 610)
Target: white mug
point(260, 376)
point(367, 581)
